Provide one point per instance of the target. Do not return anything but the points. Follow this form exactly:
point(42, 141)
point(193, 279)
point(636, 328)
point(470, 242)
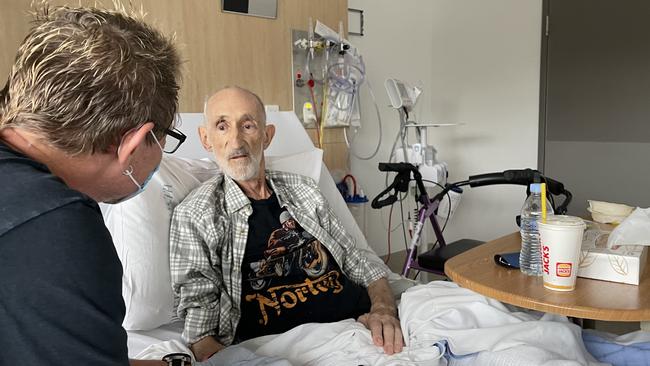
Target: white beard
point(240, 170)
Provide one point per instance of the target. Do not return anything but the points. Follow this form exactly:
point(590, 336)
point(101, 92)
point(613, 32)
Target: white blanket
point(478, 327)
point(443, 325)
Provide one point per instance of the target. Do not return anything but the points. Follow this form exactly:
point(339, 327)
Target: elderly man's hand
point(382, 319)
point(205, 348)
point(385, 329)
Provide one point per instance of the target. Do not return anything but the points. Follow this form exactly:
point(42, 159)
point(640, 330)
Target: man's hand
point(385, 330)
point(382, 318)
point(205, 348)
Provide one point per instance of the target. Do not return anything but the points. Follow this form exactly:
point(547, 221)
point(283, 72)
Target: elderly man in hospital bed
point(257, 252)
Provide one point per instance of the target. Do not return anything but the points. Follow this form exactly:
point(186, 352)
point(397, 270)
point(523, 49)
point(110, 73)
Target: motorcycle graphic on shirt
point(289, 246)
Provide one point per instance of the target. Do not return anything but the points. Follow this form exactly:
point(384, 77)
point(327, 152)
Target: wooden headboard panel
point(219, 48)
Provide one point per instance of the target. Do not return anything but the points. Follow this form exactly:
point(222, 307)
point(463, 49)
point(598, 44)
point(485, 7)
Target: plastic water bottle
point(530, 260)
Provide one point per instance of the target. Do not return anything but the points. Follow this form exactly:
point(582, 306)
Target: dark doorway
point(595, 99)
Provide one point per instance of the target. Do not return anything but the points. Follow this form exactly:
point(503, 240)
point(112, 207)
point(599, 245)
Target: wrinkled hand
point(385, 329)
point(205, 348)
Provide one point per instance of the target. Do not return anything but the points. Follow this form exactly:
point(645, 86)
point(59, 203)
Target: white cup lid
point(562, 220)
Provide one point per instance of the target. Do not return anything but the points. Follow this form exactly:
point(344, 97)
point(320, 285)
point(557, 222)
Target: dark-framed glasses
point(173, 140)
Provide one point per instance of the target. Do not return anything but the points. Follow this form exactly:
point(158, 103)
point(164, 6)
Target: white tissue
point(634, 230)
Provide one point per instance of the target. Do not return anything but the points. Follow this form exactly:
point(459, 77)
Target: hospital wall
point(218, 49)
point(478, 63)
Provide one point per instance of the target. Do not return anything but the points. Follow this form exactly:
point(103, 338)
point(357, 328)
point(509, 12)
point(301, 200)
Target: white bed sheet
point(438, 319)
point(138, 341)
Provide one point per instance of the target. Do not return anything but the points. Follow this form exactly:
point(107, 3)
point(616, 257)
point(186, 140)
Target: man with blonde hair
point(237, 271)
point(85, 116)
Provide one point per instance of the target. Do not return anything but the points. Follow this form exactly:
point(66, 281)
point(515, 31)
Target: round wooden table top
point(591, 299)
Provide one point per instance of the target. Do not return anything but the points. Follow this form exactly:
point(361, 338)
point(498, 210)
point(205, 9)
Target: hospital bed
point(443, 324)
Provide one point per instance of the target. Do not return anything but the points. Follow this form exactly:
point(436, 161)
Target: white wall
point(397, 44)
point(478, 62)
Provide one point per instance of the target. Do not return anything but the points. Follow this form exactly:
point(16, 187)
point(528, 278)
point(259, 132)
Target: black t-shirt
point(60, 277)
point(289, 278)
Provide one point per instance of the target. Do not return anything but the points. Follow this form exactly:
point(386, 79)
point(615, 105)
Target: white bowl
point(608, 208)
point(605, 218)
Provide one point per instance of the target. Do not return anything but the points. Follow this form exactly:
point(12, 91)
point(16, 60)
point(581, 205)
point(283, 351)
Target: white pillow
point(140, 230)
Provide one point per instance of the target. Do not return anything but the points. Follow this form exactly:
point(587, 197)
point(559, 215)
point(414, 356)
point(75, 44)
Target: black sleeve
point(60, 291)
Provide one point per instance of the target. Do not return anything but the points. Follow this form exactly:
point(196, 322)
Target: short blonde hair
point(83, 77)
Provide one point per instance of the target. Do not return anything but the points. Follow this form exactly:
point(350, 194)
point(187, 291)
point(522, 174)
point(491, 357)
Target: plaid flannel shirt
point(208, 239)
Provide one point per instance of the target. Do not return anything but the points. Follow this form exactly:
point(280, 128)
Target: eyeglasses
point(173, 140)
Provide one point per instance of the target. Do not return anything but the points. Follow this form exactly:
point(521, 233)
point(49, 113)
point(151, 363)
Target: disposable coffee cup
point(560, 240)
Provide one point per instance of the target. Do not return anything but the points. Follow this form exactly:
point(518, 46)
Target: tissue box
point(624, 264)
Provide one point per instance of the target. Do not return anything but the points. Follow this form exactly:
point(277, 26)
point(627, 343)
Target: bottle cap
point(535, 188)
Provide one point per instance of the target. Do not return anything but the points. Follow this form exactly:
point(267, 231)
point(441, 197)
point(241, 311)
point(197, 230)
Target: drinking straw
point(543, 189)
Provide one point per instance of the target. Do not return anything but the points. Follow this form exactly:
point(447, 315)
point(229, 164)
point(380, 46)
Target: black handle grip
point(522, 177)
point(486, 179)
point(377, 203)
point(400, 183)
point(397, 167)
